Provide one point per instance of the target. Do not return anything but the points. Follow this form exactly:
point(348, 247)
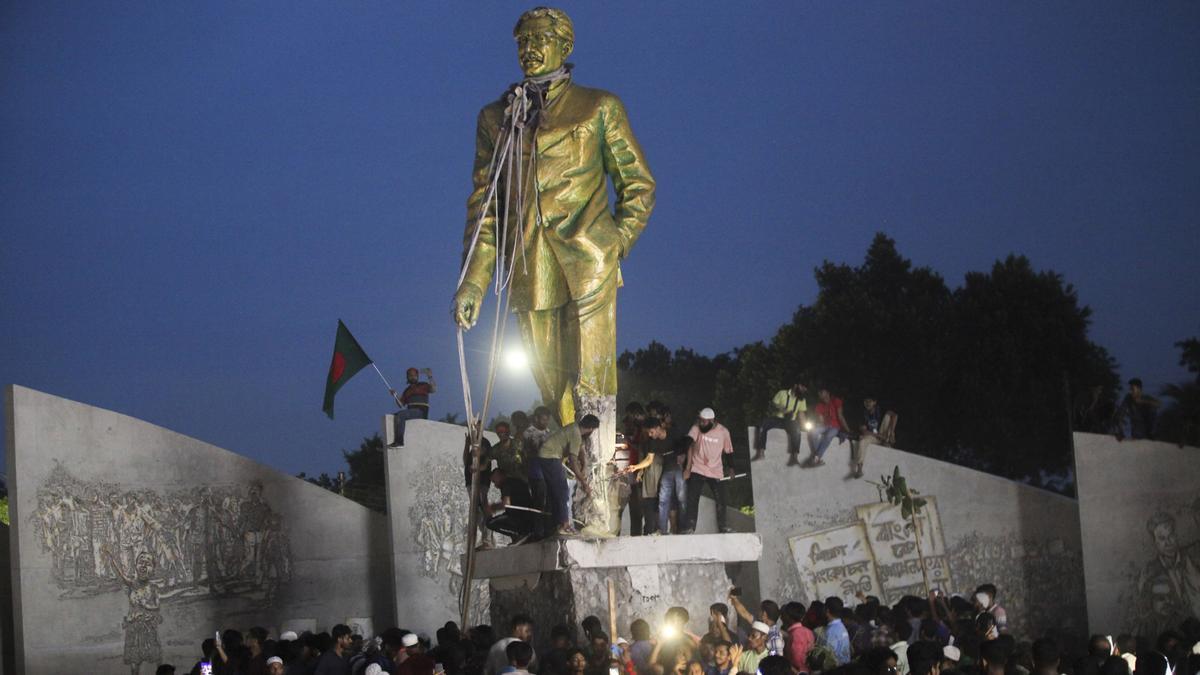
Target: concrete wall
point(427, 502)
point(1139, 505)
point(7, 651)
point(225, 542)
point(427, 499)
point(980, 529)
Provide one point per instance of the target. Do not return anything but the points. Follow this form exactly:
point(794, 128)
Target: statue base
point(564, 580)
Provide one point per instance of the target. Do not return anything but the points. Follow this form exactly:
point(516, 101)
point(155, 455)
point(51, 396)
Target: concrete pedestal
point(563, 581)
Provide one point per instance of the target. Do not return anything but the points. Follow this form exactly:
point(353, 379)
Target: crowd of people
point(938, 635)
point(657, 473)
point(872, 424)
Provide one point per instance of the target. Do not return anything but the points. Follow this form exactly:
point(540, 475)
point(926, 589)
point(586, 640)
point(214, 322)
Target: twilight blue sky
point(191, 194)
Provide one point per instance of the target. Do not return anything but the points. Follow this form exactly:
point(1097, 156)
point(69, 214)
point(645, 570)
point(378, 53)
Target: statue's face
point(539, 50)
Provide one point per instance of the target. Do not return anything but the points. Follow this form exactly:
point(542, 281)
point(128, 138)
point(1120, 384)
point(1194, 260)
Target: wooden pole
point(612, 612)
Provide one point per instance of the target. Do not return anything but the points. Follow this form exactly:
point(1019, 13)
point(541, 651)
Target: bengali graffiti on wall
point(877, 554)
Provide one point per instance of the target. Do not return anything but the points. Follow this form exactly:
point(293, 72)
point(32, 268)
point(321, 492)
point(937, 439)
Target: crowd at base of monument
point(542, 474)
point(940, 635)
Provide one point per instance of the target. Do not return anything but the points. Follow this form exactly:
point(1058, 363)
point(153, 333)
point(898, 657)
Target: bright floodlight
point(514, 358)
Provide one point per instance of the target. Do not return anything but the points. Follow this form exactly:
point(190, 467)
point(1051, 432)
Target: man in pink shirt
point(706, 465)
point(798, 638)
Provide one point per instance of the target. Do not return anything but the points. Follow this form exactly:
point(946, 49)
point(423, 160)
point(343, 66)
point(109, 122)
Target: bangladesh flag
point(348, 359)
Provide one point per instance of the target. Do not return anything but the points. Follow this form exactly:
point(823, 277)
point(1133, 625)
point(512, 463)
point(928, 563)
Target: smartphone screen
point(206, 668)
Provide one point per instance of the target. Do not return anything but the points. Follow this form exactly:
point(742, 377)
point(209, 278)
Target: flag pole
point(385, 382)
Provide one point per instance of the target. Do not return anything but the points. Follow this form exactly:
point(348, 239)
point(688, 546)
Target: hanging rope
point(525, 101)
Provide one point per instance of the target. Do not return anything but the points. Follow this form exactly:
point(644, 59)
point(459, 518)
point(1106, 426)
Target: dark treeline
point(981, 375)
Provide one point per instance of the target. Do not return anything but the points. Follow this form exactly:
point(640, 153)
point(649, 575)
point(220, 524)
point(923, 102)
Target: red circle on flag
point(337, 367)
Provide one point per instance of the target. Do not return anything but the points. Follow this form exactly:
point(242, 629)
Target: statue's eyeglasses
point(536, 38)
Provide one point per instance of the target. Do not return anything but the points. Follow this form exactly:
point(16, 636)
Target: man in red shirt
point(831, 424)
point(706, 464)
point(414, 401)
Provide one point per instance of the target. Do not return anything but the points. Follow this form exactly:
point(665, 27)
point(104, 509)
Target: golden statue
point(543, 219)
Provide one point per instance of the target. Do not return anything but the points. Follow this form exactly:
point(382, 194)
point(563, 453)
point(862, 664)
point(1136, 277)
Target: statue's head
point(545, 38)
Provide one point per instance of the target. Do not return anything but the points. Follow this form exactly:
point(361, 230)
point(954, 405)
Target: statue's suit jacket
point(583, 138)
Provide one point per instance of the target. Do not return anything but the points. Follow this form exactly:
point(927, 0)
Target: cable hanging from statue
point(520, 116)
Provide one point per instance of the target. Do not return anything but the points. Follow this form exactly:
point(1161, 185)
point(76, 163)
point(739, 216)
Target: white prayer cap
point(951, 652)
point(708, 414)
point(761, 627)
point(289, 635)
point(274, 659)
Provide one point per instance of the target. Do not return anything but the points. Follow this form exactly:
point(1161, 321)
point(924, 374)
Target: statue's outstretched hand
point(466, 305)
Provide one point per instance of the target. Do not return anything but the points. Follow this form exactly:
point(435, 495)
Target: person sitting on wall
point(1092, 411)
point(831, 424)
point(876, 427)
point(786, 412)
point(515, 523)
point(1140, 410)
point(414, 401)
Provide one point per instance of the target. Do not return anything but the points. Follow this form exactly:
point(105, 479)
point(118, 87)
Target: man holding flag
point(414, 401)
point(349, 358)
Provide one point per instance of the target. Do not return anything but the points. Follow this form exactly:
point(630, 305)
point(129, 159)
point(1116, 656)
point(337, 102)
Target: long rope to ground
point(506, 159)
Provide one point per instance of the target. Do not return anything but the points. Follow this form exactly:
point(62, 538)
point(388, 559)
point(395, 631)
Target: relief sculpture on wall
point(439, 518)
point(1164, 590)
point(190, 544)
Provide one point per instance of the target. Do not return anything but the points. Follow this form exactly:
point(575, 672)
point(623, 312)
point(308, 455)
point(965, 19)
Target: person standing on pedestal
point(566, 444)
point(711, 449)
point(552, 220)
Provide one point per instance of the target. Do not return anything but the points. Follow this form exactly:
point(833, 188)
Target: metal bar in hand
point(740, 475)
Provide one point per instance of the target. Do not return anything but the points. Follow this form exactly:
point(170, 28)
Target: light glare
point(515, 359)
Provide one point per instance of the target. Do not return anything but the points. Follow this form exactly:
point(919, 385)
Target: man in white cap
point(756, 648)
point(275, 666)
point(712, 447)
point(414, 660)
point(289, 636)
